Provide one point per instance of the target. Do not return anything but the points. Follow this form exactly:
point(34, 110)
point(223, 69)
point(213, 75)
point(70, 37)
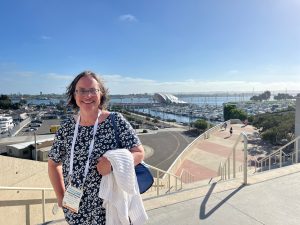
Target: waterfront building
point(167, 99)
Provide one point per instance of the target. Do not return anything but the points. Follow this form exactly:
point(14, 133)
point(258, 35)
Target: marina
point(208, 107)
point(200, 107)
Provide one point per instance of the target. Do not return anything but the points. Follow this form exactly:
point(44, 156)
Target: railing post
point(180, 185)
point(245, 160)
point(157, 182)
point(229, 168)
point(233, 163)
point(280, 158)
point(269, 162)
point(43, 205)
point(225, 171)
point(297, 146)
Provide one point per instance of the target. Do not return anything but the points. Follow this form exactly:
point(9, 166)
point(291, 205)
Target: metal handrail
point(224, 167)
point(190, 176)
point(281, 154)
point(43, 190)
point(32, 189)
point(169, 175)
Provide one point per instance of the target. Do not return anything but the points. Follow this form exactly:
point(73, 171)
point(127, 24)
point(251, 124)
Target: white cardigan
point(120, 192)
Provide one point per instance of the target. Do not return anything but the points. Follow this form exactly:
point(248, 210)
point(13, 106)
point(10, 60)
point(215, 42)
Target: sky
point(148, 46)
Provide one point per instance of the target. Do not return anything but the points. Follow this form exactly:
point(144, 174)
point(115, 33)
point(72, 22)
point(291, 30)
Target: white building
point(6, 123)
point(167, 99)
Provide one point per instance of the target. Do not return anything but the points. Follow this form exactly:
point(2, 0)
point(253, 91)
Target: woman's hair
point(71, 90)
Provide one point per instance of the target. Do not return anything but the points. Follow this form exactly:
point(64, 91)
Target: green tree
point(276, 127)
point(201, 124)
point(5, 102)
point(281, 96)
point(227, 111)
point(238, 114)
point(264, 96)
point(231, 112)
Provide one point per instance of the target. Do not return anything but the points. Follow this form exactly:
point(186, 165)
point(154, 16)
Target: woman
point(75, 164)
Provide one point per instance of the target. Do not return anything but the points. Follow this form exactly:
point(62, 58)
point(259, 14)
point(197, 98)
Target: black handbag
point(143, 174)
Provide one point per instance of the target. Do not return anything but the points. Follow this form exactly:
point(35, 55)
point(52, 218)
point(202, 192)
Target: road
point(167, 144)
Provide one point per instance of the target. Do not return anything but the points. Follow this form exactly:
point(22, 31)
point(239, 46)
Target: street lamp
point(190, 115)
point(35, 146)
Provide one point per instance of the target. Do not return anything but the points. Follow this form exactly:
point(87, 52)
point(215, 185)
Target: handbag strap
point(115, 128)
point(113, 114)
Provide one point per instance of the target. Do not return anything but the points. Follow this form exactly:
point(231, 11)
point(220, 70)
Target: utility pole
point(35, 146)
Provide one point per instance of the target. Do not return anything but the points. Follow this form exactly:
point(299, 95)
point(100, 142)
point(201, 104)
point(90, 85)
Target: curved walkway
point(204, 158)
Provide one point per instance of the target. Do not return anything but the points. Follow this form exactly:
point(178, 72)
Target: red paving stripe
point(227, 136)
point(199, 172)
point(220, 150)
point(214, 148)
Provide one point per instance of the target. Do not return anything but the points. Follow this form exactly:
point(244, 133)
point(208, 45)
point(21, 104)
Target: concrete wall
point(25, 153)
point(297, 121)
point(297, 118)
point(24, 207)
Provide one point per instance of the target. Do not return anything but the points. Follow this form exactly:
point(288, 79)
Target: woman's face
point(87, 94)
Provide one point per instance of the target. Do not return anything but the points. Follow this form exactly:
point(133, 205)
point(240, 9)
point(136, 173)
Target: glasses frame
point(86, 92)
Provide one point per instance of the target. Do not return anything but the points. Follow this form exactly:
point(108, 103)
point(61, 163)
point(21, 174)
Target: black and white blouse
point(90, 210)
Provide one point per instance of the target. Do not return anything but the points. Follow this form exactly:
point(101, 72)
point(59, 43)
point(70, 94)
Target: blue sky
point(140, 46)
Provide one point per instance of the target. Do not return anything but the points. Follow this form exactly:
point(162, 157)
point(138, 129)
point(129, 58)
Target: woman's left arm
point(104, 166)
point(138, 154)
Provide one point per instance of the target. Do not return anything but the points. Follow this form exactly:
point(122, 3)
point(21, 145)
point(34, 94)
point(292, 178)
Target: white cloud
point(25, 74)
point(127, 18)
point(56, 76)
point(128, 85)
point(45, 37)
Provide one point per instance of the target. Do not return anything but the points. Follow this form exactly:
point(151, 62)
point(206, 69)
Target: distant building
point(6, 123)
point(26, 150)
point(167, 99)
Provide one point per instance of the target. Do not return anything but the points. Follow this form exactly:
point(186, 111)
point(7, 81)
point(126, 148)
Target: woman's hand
point(103, 166)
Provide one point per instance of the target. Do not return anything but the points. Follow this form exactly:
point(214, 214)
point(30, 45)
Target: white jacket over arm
point(120, 192)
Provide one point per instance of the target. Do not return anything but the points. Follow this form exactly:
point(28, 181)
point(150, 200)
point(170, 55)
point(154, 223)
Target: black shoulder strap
point(112, 114)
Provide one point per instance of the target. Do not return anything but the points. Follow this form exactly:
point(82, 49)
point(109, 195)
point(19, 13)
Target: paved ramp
point(204, 157)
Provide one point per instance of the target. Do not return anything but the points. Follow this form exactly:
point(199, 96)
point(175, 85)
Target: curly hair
point(71, 90)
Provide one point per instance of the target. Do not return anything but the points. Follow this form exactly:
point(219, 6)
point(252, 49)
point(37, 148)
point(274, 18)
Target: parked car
point(34, 125)
point(36, 121)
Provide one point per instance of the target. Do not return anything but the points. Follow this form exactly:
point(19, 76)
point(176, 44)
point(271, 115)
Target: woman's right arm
point(57, 180)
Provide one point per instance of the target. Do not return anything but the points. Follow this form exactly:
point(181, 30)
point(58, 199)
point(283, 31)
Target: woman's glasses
point(85, 92)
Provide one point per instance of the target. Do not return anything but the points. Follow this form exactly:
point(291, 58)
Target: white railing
point(42, 190)
point(225, 167)
point(175, 184)
point(186, 176)
point(179, 160)
point(166, 177)
point(279, 157)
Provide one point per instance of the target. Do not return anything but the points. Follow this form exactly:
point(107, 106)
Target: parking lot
point(40, 130)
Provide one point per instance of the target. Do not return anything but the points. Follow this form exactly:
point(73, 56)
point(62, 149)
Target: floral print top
point(90, 209)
